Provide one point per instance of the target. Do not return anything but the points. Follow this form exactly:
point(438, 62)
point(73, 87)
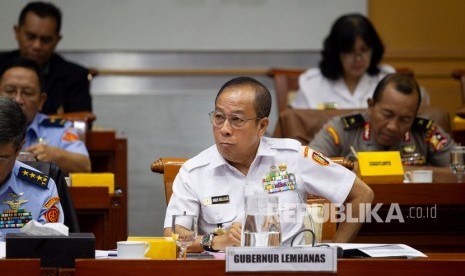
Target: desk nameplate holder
point(255, 259)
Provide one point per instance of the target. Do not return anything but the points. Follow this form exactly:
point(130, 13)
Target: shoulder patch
point(422, 124)
point(334, 135)
point(51, 202)
point(436, 138)
point(352, 121)
point(69, 136)
point(52, 214)
point(33, 177)
point(50, 122)
point(320, 158)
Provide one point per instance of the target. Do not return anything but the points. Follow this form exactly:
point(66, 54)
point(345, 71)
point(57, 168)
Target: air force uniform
point(209, 187)
point(319, 92)
point(28, 195)
point(58, 133)
point(425, 144)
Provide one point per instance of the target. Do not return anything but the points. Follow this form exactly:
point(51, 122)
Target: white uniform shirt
point(209, 175)
point(315, 90)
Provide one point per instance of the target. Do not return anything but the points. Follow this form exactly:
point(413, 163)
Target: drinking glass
point(457, 162)
point(261, 226)
point(184, 228)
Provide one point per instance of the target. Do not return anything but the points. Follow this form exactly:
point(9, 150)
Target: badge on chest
point(278, 180)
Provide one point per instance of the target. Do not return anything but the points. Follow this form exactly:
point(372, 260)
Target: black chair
point(53, 171)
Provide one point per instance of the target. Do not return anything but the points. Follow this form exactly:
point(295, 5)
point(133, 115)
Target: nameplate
point(383, 166)
point(255, 259)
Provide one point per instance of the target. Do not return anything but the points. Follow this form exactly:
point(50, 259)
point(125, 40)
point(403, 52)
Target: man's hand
point(232, 237)
point(43, 152)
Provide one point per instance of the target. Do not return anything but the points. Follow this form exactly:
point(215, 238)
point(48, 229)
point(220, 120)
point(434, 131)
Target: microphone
point(292, 179)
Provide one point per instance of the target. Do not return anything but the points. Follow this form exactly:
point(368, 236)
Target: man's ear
point(42, 98)
point(370, 103)
point(16, 31)
point(262, 126)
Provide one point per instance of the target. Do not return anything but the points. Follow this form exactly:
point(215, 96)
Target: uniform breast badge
point(15, 217)
point(278, 180)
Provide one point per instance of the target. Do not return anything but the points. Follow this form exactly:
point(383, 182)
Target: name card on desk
point(241, 259)
point(94, 180)
point(380, 167)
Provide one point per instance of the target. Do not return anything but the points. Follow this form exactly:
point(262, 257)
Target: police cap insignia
point(353, 121)
point(422, 124)
point(50, 122)
point(33, 177)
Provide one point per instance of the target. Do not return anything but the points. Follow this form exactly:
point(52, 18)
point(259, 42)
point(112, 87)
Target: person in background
point(46, 139)
point(25, 193)
point(349, 70)
point(65, 83)
point(213, 184)
point(390, 124)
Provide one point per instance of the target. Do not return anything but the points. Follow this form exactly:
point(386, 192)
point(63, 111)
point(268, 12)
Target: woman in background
point(349, 71)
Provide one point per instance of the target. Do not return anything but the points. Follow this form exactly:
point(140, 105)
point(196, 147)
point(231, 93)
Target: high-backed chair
point(169, 167)
point(54, 172)
point(303, 124)
point(286, 83)
point(459, 75)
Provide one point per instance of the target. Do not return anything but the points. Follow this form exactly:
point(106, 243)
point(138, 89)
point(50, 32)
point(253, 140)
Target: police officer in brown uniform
point(390, 124)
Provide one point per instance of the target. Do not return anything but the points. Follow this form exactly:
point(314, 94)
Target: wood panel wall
point(427, 36)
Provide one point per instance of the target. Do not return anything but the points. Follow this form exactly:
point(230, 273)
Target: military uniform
point(318, 92)
point(425, 144)
point(209, 187)
point(28, 195)
point(57, 133)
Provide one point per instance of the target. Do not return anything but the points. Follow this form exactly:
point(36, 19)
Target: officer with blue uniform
point(26, 195)
point(56, 132)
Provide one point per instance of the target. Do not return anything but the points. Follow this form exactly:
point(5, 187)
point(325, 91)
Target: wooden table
point(434, 216)
point(436, 264)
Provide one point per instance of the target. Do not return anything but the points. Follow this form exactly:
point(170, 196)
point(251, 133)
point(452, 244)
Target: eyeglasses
point(4, 161)
point(353, 55)
point(236, 121)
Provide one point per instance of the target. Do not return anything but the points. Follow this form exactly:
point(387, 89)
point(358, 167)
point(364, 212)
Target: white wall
point(189, 24)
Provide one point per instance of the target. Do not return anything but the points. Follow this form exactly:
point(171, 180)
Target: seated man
point(25, 193)
point(390, 124)
point(240, 160)
point(48, 140)
point(38, 34)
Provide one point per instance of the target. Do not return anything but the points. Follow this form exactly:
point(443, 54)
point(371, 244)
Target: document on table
point(381, 250)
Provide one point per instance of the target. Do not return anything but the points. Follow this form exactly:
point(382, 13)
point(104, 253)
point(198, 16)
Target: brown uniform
point(425, 144)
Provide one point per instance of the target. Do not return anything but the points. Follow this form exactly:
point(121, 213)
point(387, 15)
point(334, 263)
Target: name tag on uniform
point(222, 199)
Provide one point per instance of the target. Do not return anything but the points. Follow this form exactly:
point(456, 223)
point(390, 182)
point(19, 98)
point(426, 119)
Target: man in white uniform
point(212, 185)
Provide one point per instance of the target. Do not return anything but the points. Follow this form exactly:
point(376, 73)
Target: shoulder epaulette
point(352, 121)
point(50, 122)
point(422, 124)
point(33, 177)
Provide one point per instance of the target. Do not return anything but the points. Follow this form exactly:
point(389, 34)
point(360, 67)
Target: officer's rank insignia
point(34, 177)
point(435, 138)
point(69, 136)
point(278, 180)
point(320, 158)
point(51, 122)
point(422, 124)
point(333, 134)
point(52, 214)
point(352, 121)
point(15, 217)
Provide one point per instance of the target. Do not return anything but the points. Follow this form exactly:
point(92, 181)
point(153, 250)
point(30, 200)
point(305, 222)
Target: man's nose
point(393, 126)
point(36, 43)
point(18, 97)
point(226, 128)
